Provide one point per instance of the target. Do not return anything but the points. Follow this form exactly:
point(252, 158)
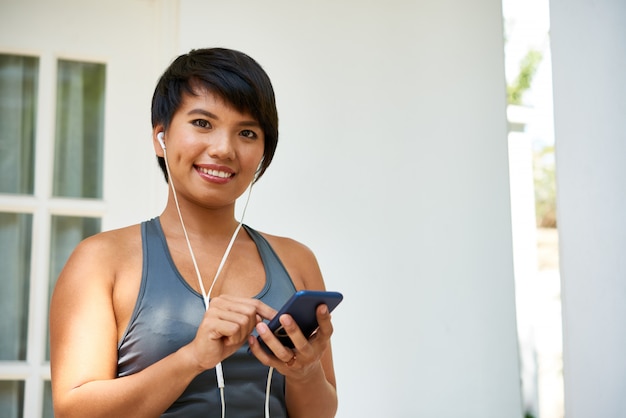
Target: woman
point(145, 320)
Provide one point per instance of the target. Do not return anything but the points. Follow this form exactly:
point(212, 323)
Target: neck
point(206, 226)
point(200, 221)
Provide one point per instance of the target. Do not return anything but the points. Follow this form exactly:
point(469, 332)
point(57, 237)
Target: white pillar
point(589, 64)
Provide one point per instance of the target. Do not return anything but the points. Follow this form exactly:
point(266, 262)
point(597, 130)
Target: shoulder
point(113, 243)
point(288, 245)
point(299, 260)
point(104, 254)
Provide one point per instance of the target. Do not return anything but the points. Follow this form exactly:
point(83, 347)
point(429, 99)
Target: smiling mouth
point(215, 173)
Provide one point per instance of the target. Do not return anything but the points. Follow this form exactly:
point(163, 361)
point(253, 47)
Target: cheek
point(255, 163)
point(257, 155)
point(184, 148)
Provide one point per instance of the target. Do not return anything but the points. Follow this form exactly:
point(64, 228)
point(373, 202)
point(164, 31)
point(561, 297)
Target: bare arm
point(310, 379)
point(84, 343)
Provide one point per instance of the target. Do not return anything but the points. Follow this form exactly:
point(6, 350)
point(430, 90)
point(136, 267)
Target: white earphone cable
point(207, 295)
point(268, 387)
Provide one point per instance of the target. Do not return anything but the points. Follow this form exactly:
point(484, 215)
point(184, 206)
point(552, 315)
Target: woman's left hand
point(299, 361)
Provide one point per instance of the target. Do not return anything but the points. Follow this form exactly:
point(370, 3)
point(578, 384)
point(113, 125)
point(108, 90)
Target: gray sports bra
point(166, 317)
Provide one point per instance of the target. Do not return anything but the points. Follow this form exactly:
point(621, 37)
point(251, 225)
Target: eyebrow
point(250, 123)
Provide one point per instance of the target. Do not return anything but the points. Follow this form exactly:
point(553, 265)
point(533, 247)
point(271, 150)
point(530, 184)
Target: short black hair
point(234, 76)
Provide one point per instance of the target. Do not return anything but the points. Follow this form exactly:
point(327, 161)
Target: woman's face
point(213, 151)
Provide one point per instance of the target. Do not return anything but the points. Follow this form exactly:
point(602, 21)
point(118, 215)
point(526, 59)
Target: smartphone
point(302, 306)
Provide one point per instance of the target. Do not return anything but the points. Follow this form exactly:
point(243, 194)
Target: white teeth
point(216, 173)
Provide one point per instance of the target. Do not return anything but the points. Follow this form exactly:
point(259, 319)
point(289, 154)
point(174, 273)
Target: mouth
point(215, 173)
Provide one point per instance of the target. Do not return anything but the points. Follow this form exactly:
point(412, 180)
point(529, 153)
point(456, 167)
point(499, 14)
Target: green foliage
point(528, 68)
point(545, 187)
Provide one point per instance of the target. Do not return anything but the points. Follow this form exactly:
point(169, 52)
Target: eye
point(248, 134)
point(201, 123)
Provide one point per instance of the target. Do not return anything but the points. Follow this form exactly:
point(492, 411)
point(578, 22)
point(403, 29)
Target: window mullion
point(44, 154)
point(38, 310)
point(95, 208)
point(18, 203)
point(14, 370)
point(40, 257)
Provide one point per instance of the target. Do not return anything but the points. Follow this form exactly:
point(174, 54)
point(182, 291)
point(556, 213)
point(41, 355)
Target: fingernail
point(286, 320)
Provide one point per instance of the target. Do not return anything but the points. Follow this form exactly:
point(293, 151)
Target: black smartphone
point(302, 306)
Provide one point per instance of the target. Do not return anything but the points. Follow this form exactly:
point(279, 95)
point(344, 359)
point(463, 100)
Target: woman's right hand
point(225, 327)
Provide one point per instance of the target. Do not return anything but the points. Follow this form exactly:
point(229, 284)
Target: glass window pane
point(48, 412)
point(78, 153)
point(11, 399)
point(18, 105)
point(66, 232)
point(15, 247)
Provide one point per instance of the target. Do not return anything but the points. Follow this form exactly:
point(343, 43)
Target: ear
point(258, 170)
point(155, 142)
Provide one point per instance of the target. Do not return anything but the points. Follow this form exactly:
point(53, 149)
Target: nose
point(220, 146)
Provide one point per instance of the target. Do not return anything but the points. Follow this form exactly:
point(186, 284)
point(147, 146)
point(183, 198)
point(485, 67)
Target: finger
point(313, 346)
point(237, 322)
point(244, 306)
point(259, 352)
point(276, 347)
point(299, 340)
point(265, 311)
point(269, 359)
point(261, 309)
point(231, 319)
point(325, 328)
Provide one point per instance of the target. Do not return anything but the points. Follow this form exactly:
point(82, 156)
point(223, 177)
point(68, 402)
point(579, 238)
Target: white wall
point(392, 167)
point(132, 38)
point(589, 63)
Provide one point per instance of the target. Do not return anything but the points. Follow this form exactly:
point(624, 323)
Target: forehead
point(205, 99)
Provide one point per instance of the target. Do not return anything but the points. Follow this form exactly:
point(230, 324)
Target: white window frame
point(35, 371)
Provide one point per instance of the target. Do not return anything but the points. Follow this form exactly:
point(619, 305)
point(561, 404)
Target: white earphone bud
point(160, 139)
